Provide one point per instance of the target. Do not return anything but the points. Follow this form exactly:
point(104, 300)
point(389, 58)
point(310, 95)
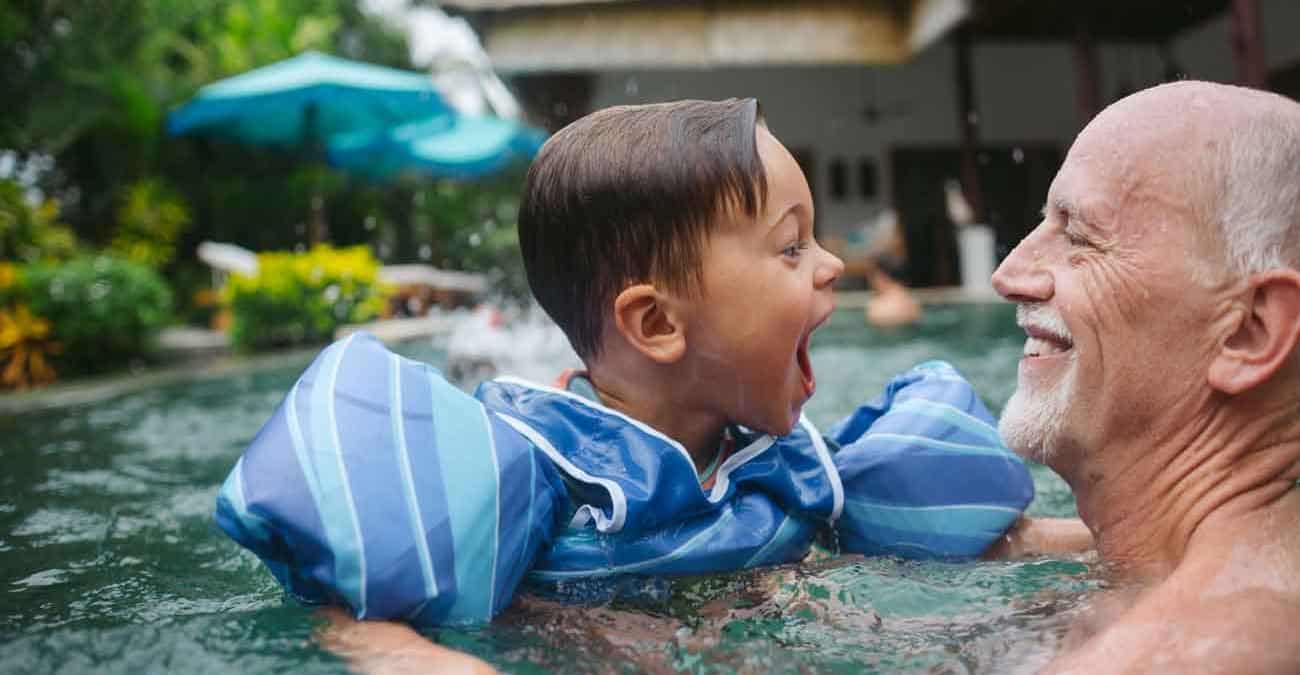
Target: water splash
point(492, 341)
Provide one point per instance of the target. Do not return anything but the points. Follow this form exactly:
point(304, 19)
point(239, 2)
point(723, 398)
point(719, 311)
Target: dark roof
point(1105, 20)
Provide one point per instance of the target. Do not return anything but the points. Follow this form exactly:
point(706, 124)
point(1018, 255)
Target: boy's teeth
point(1040, 347)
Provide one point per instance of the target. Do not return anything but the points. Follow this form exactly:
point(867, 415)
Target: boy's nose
point(830, 269)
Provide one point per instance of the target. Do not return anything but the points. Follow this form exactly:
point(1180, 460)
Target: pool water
point(110, 561)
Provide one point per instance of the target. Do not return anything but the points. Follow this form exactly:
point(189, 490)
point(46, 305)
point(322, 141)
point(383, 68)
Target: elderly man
point(1161, 374)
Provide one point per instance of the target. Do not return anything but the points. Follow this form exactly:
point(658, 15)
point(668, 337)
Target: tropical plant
point(303, 297)
point(86, 87)
point(470, 227)
point(26, 348)
point(104, 311)
point(26, 344)
point(31, 232)
point(150, 221)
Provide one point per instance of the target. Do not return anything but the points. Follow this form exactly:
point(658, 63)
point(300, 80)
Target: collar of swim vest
point(624, 475)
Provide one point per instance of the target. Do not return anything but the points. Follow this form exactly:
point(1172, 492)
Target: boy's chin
point(777, 428)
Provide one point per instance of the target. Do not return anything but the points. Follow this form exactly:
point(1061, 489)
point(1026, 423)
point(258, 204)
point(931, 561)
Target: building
point(882, 101)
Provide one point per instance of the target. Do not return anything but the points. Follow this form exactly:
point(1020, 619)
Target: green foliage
point(149, 222)
point(29, 233)
point(303, 297)
point(88, 83)
point(104, 311)
point(473, 227)
point(243, 34)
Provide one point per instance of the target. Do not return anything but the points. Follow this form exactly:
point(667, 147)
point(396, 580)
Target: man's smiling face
point(1112, 288)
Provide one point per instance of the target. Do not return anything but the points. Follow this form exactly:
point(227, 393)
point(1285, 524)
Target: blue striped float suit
point(379, 486)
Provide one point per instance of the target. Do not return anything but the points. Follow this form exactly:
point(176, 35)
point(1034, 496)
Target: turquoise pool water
point(110, 563)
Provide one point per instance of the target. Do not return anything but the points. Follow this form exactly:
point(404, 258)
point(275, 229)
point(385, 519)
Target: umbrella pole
point(318, 230)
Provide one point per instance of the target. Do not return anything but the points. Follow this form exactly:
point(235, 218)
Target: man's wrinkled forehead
point(1133, 156)
point(1161, 128)
point(1093, 182)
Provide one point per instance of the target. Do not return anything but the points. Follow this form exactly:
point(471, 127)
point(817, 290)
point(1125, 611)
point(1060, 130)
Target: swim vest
point(379, 486)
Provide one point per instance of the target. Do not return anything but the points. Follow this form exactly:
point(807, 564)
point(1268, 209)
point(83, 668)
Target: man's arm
point(384, 647)
point(1041, 536)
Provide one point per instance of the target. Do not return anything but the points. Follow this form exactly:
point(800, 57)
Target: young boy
point(673, 244)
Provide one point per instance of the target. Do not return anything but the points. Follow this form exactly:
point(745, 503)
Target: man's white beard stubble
point(1034, 416)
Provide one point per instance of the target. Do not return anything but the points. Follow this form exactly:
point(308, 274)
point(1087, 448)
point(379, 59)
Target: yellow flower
point(25, 345)
point(318, 289)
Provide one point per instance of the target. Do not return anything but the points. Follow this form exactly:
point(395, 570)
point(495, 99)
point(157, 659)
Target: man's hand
point(1041, 536)
point(387, 647)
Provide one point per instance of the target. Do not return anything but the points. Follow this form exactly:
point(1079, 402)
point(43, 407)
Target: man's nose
point(1023, 276)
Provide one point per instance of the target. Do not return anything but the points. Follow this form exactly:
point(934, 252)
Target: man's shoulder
point(1179, 627)
point(1251, 630)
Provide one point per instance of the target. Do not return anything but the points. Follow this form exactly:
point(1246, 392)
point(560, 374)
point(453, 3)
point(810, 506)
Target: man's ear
point(648, 321)
point(1266, 334)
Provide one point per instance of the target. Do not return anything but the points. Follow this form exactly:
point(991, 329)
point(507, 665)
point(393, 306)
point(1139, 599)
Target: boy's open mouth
point(805, 366)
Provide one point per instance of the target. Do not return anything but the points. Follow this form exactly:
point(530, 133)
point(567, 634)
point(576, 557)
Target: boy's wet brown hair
point(628, 195)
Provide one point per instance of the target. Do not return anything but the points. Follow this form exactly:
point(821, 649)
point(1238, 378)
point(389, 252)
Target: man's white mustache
point(1042, 317)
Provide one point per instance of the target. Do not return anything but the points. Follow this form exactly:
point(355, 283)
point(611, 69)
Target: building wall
point(1025, 94)
point(1205, 52)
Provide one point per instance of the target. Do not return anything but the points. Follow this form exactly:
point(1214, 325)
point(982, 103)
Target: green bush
point(28, 232)
point(149, 222)
point(104, 311)
point(470, 226)
point(303, 297)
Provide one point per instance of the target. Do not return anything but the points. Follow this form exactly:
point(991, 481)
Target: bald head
point(1232, 152)
point(1191, 103)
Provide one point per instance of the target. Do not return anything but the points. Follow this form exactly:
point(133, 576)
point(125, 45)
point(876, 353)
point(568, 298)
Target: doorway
point(1014, 179)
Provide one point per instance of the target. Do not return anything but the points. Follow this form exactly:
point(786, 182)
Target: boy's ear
point(648, 321)
point(1266, 334)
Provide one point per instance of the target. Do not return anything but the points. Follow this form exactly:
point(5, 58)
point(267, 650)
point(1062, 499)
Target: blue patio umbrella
point(307, 99)
point(302, 102)
point(463, 147)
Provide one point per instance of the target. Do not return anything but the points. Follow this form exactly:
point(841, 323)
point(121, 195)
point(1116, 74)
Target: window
point(839, 179)
point(868, 184)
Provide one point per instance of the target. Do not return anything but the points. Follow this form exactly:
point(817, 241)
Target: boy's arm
point(925, 474)
point(379, 487)
point(1041, 536)
point(376, 647)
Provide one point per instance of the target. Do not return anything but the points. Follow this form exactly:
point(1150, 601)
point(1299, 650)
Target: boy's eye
point(795, 249)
